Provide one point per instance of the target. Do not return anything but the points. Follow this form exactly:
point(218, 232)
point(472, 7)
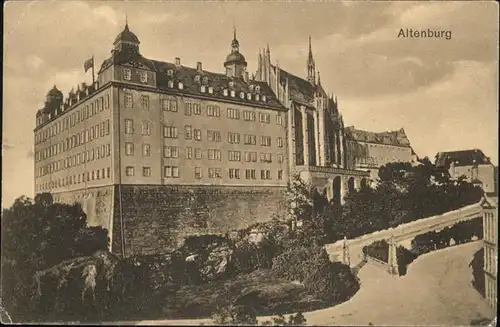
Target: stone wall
point(157, 218)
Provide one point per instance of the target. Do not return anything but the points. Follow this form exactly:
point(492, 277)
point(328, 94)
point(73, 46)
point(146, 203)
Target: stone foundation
point(157, 218)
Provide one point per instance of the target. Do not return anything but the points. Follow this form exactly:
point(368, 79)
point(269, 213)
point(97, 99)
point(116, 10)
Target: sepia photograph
point(262, 163)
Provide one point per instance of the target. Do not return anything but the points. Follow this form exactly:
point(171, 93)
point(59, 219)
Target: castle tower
point(126, 40)
point(311, 67)
point(235, 63)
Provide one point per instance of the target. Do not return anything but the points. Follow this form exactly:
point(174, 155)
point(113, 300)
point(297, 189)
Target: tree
point(36, 235)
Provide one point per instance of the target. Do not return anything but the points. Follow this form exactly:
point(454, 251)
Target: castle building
point(473, 165)
point(155, 151)
point(369, 151)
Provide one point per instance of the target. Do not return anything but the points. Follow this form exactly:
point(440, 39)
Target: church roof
point(461, 158)
point(397, 138)
point(301, 90)
point(235, 57)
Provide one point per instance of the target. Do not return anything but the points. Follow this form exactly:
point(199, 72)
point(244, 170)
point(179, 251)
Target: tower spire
point(311, 67)
point(126, 21)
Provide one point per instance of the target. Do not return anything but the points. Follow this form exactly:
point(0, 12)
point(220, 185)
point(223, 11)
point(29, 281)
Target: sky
point(442, 92)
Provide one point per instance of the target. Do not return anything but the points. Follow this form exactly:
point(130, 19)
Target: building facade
point(369, 151)
point(473, 165)
point(490, 239)
point(155, 151)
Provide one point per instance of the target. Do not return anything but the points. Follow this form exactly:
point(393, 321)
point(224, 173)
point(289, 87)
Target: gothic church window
point(144, 77)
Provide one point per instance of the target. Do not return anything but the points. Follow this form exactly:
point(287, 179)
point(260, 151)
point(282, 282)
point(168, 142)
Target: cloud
point(34, 62)
point(107, 13)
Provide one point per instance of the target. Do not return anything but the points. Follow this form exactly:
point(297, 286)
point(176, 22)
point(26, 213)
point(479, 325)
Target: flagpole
point(93, 78)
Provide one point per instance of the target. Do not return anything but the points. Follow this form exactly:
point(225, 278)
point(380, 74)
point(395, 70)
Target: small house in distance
point(473, 164)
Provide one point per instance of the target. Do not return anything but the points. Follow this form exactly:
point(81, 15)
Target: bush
point(404, 258)
point(378, 250)
point(248, 257)
point(461, 233)
point(326, 280)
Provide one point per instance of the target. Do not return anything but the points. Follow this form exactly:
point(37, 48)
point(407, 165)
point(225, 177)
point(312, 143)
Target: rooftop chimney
point(198, 66)
point(177, 61)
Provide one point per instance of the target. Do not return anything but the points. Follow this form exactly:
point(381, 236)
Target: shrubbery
point(311, 266)
point(461, 232)
point(404, 258)
point(378, 250)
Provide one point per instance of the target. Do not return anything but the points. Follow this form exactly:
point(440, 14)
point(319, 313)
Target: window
point(250, 139)
point(129, 149)
point(250, 174)
point(280, 158)
point(128, 100)
point(249, 96)
point(106, 127)
point(197, 153)
point(279, 119)
point(265, 157)
point(197, 108)
point(146, 150)
point(248, 115)
point(127, 74)
point(265, 174)
point(146, 171)
point(280, 142)
point(213, 111)
point(170, 72)
point(170, 132)
point(234, 155)
point(129, 127)
point(234, 173)
point(144, 77)
point(146, 128)
point(145, 102)
point(225, 90)
point(233, 138)
point(189, 153)
point(197, 134)
point(108, 149)
point(170, 84)
point(171, 152)
point(214, 154)
point(214, 172)
point(233, 93)
point(180, 85)
point(265, 140)
point(173, 105)
point(106, 102)
point(171, 171)
point(264, 118)
point(188, 132)
point(129, 171)
point(214, 136)
point(188, 109)
point(198, 173)
point(233, 113)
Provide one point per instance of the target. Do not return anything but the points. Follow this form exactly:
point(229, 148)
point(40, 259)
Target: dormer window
point(170, 72)
point(181, 86)
point(127, 74)
point(170, 84)
point(203, 89)
point(210, 90)
point(257, 89)
point(249, 96)
point(242, 95)
point(205, 80)
point(144, 77)
point(225, 92)
point(231, 84)
point(252, 87)
point(264, 98)
point(197, 78)
point(233, 93)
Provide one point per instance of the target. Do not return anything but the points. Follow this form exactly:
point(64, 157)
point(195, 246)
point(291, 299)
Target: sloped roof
point(187, 76)
point(462, 158)
point(300, 89)
point(397, 138)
